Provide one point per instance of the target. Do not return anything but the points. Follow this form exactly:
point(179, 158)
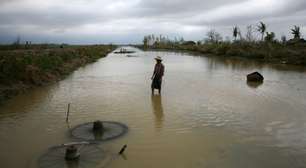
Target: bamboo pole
point(68, 111)
point(122, 149)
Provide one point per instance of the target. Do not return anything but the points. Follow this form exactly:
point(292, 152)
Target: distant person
point(157, 75)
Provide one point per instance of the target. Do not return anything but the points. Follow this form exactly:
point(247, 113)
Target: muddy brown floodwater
point(206, 117)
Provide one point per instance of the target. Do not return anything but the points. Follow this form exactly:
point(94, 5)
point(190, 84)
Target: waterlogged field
point(206, 117)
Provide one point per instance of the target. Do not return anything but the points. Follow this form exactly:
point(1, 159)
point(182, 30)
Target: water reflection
point(219, 119)
point(72, 164)
point(216, 63)
point(28, 101)
point(254, 84)
point(158, 111)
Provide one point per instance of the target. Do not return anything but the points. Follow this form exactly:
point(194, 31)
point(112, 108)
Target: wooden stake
point(122, 149)
point(68, 110)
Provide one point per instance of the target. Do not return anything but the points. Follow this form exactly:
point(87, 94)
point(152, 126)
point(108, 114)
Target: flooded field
point(206, 117)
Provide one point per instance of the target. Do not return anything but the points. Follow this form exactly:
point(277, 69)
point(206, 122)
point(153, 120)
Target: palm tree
point(261, 28)
point(296, 32)
point(235, 32)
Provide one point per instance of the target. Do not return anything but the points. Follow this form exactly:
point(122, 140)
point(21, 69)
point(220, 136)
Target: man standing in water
point(157, 75)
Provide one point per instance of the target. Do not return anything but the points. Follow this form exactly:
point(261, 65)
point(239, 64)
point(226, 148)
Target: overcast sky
point(127, 21)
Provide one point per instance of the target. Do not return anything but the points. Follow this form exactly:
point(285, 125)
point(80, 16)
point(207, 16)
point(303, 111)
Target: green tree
point(296, 32)
point(261, 28)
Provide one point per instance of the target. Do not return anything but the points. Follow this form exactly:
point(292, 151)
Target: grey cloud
point(249, 11)
point(175, 9)
point(181, 6)
point(46, 20)
point(116, 20)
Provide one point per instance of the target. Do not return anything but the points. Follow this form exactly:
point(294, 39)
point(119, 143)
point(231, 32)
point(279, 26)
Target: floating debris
point(255, 77)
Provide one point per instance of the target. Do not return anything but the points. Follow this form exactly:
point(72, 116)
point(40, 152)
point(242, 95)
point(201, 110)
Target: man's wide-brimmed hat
point(158, 58)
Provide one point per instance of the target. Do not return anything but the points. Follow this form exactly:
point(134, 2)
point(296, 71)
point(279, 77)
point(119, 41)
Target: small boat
point(131, 55)
point(124, 51)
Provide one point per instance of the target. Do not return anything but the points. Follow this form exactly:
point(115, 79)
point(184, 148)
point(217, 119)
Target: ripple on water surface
point(207, 115)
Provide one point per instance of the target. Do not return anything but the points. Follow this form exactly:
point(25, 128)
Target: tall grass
point(266, 51)
point(35, 66)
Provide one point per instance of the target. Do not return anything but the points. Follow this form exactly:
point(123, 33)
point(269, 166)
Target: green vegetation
point(266, 47)
point(296, 32)
point(23, 66)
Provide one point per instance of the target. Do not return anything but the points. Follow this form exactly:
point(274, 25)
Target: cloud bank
point(127, 21)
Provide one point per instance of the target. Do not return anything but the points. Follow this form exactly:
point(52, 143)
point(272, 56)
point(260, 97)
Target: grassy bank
point(24, 67)
point(268, 52)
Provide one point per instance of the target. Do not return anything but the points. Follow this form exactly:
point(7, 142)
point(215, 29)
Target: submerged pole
point(68, 110)
point(122, 149)
point(98, 126)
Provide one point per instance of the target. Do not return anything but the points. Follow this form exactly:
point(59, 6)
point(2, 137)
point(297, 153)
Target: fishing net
point(90, 156)
point(111, 130)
